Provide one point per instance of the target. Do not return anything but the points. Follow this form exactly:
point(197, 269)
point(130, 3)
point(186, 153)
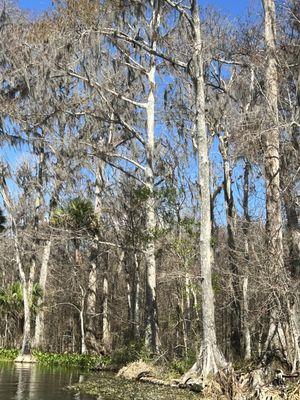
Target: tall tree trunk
point(26, 342)
point(272, 168)
point(235, 315)
point(151, 338)
point(292, 231)
point(133, 293)
point(106, 334)
point(245, 319)
point(186, 310)
point(272, 173)
point(130, 296)
point(293, 262)
point(210, 358)
point(38, 216)
point(136, 299)
point(274, 229)
point(290, 197)
point(83, 348)
point(91, 340)
point(39, 333)
point(40, 316)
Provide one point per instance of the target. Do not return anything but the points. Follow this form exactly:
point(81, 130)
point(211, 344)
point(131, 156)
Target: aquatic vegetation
point(83, 361)
point(8, 354)
point(67, 360)
point(109, 387)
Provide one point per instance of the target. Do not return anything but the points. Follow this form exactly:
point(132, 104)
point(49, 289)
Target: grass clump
point(8, 354)
point(83, 361)
point(75, 360)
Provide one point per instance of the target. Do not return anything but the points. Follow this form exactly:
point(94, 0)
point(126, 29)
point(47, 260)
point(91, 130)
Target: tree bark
point(106, 334)
point(91, 340)
point(151, 337)
point(26, 342)
point(274, 229)
point(272, 167)
point(40, 316)
point(210, 358)
point(136, 302)
point(83, 348)
point(245, 319)
point(292, 158)
point(186, 310)
point(272, 173)
point(235, 315)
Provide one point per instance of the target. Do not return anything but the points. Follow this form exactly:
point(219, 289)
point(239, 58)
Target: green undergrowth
point(127, 354)
point(179, 366)
point(82, 361)
point(8, 354)
point(120, 357)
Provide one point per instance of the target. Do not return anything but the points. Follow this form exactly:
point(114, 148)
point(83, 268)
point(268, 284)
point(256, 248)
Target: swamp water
point(35, 382)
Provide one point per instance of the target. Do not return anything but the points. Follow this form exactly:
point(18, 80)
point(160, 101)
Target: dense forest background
point(150, 181)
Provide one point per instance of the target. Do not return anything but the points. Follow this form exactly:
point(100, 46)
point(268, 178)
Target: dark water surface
point(34, 382)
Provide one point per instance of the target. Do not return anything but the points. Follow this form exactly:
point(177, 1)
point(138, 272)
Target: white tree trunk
point(274, 223)
point(91, 303)
point(26, 342)
point(151, 338)
point(247, 335)
point(136, 306)
point(129, 300)
point(210, 358)
point(106, 335)
point(40, 316)
point(295, 334)
point(274, 231)
point(82, 331)
point(272, 168)
point(186, 310)
point(91, 300)
point(246, 327)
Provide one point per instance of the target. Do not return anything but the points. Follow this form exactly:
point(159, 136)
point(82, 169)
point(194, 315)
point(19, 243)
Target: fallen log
point(154, 381)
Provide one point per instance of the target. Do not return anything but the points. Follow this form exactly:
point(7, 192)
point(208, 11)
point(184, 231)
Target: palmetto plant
point(77, 214)
point(11, 298)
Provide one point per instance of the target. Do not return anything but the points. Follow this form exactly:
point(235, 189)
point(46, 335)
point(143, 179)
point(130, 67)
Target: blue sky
point(35, 5)
point(233, 8)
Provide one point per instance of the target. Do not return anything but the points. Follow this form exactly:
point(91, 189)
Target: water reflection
point(33, 382)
